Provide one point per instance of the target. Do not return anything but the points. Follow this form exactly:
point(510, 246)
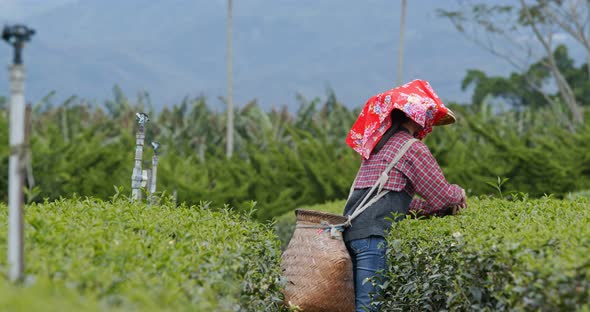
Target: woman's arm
point(429, 182)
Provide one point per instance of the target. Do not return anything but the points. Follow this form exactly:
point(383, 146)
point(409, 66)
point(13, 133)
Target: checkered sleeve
point(429, 182)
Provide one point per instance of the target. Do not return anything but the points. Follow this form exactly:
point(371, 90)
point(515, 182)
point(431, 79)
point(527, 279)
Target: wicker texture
point(447, 119)
point(317, 267)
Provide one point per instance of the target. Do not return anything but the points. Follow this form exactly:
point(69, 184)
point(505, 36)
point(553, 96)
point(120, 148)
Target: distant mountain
point(175, 48)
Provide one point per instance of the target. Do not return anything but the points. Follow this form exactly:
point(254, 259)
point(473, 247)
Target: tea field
point(92, 255)
point(498, 255)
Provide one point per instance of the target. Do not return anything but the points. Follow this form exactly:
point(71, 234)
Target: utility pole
point(230, 91)
point(16, 36)
point(402, 28)
point(137, 176)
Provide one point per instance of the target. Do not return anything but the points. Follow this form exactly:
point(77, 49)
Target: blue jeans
point(368, 257)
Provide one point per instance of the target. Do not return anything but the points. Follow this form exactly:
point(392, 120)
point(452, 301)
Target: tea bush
point(524, 255)
point(110, 255)
point(498, 255)
point(47, 296)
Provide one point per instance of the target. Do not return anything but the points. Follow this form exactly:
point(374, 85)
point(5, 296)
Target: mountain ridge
point(174, 49)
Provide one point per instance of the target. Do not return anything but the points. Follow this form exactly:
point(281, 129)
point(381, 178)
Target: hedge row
point(498, 255)
point(89, 254)
point(94, 255)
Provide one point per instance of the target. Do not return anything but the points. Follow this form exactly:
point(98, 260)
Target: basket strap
point(381, 181)
point(352, 186)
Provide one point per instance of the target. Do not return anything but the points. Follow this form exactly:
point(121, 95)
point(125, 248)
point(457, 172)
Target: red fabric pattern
point(416, 99)
point(416, 172)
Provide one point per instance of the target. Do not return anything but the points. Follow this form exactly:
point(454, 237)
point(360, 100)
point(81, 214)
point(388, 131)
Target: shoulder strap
point(352, 186)
point(380, 182)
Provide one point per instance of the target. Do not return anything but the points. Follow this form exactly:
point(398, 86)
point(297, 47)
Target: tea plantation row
point(90, 255)
point(524, 255)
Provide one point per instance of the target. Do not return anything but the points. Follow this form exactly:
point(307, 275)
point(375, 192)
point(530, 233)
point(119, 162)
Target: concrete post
point(137, 176)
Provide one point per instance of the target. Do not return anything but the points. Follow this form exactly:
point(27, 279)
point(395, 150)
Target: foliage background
point(283, 159)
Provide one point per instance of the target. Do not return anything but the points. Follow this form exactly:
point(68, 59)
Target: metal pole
point(137, 176)
point(153, 177)
point(29, 177)
point(402, 28)
point(230, 91)
point(16, 36)
point(16, 173)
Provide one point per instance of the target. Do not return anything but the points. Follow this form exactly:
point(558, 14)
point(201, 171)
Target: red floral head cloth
point(416, 99)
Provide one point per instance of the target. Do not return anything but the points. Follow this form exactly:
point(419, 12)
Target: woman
point(388, 121)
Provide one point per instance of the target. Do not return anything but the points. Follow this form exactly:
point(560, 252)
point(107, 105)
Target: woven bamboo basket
point(317, 267)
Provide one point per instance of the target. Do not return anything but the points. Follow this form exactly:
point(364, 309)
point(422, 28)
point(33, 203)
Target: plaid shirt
point(417, 172)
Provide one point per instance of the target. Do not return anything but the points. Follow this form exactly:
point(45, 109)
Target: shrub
point(48, 296)
point(498, 255)
point(136, 257)
point(525, 255)
point(282, 159)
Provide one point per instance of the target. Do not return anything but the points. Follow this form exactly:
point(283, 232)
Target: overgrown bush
point(136, 257)
point(282, 159)
point(279, 178)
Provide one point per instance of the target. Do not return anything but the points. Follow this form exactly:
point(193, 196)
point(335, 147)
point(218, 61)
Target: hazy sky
point(176, 48)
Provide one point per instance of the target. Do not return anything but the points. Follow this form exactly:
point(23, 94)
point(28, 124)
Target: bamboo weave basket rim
point(314, 216)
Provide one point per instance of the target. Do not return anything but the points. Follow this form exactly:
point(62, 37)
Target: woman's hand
point(459, 207)
point(462, 204)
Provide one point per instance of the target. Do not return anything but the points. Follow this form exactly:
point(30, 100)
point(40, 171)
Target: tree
point(572, 17)
point(515, 90)
point(494, 26)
